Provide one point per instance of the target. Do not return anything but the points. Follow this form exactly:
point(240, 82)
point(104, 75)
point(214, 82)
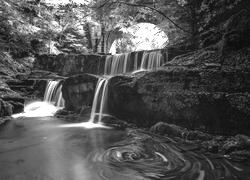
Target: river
point(47, 148)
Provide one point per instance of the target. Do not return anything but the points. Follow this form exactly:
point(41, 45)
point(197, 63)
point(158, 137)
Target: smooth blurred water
point(38, 109)
point(46, 148)
point(123, 63)
point(41, 148)
point(53, 93)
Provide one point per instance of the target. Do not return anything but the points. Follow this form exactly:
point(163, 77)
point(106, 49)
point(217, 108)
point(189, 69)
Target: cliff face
point(67, 65)
point(195, 91)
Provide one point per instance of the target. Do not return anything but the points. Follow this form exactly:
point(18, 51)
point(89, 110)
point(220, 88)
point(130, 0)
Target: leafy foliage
point(33, 26)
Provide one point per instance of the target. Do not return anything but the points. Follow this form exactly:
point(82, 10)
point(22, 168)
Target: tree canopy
point(37, 26)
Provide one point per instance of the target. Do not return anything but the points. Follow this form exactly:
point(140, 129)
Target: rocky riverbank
point(197, 90)
point(20, 83)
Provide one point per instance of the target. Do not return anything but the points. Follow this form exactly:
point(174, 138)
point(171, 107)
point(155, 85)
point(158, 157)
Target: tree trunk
point(97, 41)
point(88, 36)
point(102, 38)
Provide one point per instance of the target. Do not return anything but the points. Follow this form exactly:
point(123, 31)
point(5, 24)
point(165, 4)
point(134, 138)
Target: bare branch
point(145, 6)
point(158, 11)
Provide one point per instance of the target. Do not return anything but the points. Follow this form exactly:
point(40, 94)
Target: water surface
point(38, 148)
point(50, 149)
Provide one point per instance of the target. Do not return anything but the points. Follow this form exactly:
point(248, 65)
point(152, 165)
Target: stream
point(39, 148)
point(47, 148)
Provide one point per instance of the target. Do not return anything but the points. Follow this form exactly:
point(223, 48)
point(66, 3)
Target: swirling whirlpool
point(145, 156)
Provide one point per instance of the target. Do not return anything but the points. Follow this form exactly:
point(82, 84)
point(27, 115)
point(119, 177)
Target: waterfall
point(123, 63)
point(101, 92)
point(53, 93)
point(151, 60)
point(53, 101)
point(120, 64)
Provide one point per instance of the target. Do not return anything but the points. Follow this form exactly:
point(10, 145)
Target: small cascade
point(53, 101)
point(101, 93)
point(60, 100)
point(151, 60)
point(53, 93)
point(118, 64)
point(124, 63)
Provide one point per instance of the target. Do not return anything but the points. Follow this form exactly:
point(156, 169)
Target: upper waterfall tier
point(130, 62)
point(73, 64)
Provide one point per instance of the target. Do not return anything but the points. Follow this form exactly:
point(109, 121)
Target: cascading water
point(121, 64)
point(151, 60)
point(53, 93)
point(117, 64)
point(124, 63)
point(101, 92)
point(53, 101)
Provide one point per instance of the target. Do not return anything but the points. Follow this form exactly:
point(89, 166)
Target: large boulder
point(172, 130)
point(78, 91)
point(195, 91)
point(237, 31)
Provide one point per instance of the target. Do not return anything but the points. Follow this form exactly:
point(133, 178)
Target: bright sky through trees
point(147, 36)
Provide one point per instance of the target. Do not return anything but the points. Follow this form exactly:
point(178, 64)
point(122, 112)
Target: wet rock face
point(5, 108)
point(229, 28)
point(237, 31)
point(78, 91)
point(196, 97)
point(11, 101)
point(66, 65)
point(172, 130)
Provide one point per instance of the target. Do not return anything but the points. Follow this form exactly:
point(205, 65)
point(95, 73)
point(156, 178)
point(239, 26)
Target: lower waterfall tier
point(192, 91)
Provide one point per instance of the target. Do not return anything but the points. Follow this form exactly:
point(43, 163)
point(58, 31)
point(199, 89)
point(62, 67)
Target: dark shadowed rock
point(172, 130)
point(237, 31)
point(188, 93)
point(5, 119)
point(237, 148)
point(239, 142)
point(78, 91)
point(6, 109)
point(176, 50)
point(11, 100)
point(41, 74)
point(241, 156)
point(210, 37)
point(69, 116)
point(113, 122)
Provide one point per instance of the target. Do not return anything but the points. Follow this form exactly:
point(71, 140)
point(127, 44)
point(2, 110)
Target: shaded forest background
point(35, 27)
